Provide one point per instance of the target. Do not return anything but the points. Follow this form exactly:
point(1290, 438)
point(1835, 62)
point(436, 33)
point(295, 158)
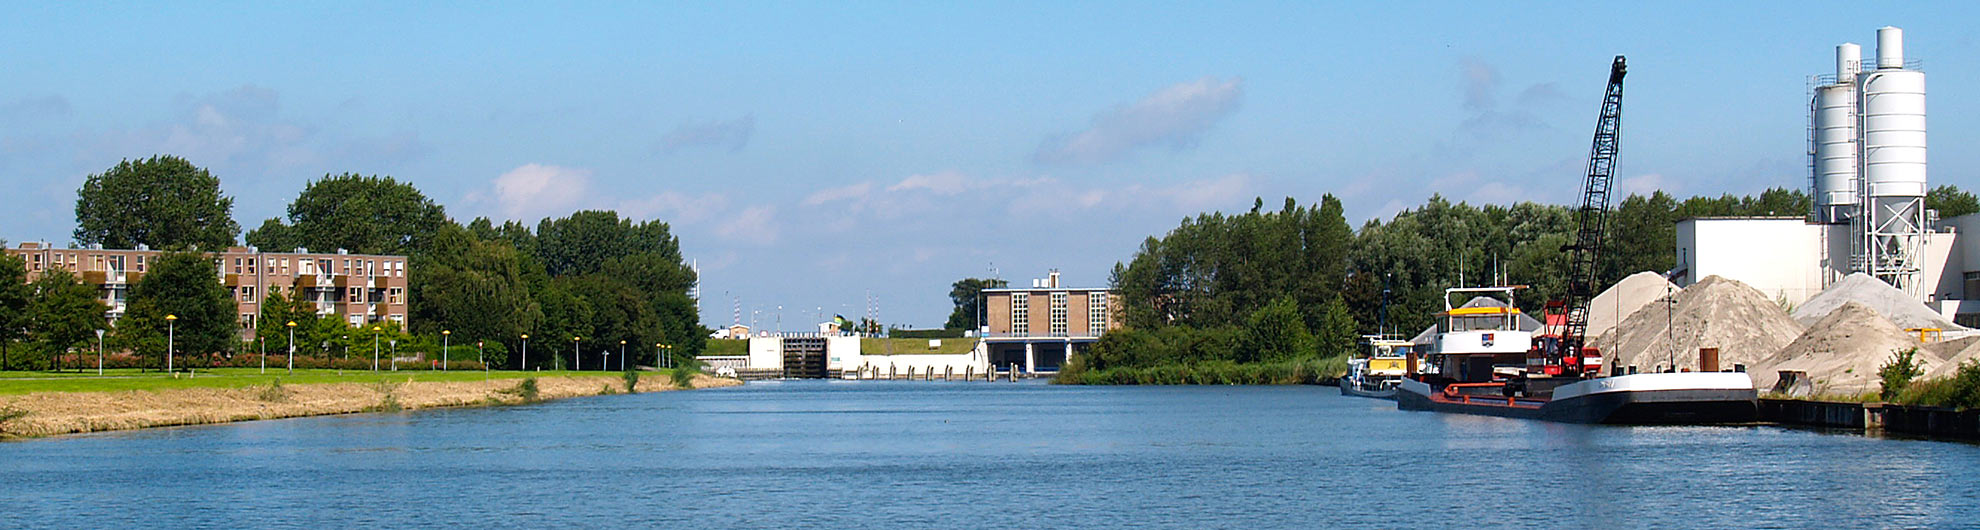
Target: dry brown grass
point(51, 413)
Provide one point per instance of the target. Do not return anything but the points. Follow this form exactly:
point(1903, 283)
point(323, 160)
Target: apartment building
point(356, 288)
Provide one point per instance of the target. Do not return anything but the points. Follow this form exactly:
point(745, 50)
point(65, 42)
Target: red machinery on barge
point(1483, 363)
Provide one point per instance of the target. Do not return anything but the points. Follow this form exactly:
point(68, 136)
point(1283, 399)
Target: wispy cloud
point(731, 135)
point(753, 225)
point(532, 191)
point(848, 193)
point(36, 108)
point(1175, 117)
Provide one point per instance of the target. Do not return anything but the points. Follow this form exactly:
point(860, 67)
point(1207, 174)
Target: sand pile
point(1902, 309)
point(1951, 365)
point(1720, 313)
point(1623, 299)
point(1842, 352)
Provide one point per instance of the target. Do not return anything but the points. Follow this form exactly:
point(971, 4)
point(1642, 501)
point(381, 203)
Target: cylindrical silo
point(1894, 132)
point(1835, 152)
point(1891, 103)
point(1834, 140)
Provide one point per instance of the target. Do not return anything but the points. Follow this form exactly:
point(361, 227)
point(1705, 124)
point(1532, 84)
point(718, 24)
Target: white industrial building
point(1868, 182)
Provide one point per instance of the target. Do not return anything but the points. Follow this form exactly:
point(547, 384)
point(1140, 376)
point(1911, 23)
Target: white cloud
point(675, 207)
point(1174, 116)
point(1645, 184)
point(942, 183)
point(855, 193)
point(536, 190)
point(755, 225)
point(732, 135)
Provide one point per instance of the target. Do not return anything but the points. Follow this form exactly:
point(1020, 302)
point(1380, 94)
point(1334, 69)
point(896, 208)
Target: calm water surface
point(837, 454)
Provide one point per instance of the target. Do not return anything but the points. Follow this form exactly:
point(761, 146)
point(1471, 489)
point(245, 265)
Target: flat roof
point(1031, 289)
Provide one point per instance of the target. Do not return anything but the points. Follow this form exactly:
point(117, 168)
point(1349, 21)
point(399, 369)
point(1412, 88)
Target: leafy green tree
point(1950, 201)
point(1276, 332)
point(15, 294)
point(475, 288)
point(273, 236)
point(581, 243)
point(163, 201)
point(1336, 334)
point(277, 311)
point(965, 294)
point(64, 313)
point(365, 215)
point(180, 284)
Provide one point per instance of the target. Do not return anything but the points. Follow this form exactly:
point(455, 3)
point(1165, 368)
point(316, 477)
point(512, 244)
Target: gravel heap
point(1952, 362)
point(1842, 352)
point(1720, 313)
point(1903, 309)
point(1623, 299)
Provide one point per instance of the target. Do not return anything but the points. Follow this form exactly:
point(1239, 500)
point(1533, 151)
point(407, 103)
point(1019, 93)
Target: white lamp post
point(374, 348)
point(171, 333)
point(99, 352)
point(576, 356)
point(445, 336)
point(524, 364)
point(292, 347)
point(622, 357)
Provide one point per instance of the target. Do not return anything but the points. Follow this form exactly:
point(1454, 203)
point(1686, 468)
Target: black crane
point(1592, 219)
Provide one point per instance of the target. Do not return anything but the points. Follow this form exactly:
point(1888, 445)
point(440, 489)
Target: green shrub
point(632, 381)
point(1960, 390)
point(1898, 373)
point(683, 375)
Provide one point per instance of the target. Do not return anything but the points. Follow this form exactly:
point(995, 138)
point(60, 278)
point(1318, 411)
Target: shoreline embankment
point(57, 413)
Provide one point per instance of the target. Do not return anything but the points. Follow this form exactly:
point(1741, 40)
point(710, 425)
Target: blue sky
point(811, 155)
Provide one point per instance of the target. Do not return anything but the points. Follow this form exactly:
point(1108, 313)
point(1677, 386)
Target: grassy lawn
point(726, 347)
point(877, 346)
point(19, 382)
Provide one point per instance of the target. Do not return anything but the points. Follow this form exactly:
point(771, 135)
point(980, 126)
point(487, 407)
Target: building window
point(1096, 314)
point(1058, 314)
point(140, 263)
point(247, 294)
point(1021, 314)
point(247, 320)
point(355, 295)
point(396, 293)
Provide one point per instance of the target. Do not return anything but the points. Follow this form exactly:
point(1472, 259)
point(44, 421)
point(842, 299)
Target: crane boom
point(1592, 220)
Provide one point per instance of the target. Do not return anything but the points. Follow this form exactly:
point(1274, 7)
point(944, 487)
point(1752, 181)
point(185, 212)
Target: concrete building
point(1038, 328)
point(1791, 259)
point(358, 289)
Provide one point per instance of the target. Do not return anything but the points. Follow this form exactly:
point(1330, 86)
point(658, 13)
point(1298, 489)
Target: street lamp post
point(99, 352)
point(481, 355)
point(262, 342)
point(395, 354)
point(374, 348)
point(577, 359)
point(524, 364)
point(445, 336)
point(171, 334)
point(622, 356)
point(347, 347)
point(292, 347)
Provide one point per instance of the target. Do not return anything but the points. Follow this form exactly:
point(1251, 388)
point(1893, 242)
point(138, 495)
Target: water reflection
point(941, 455)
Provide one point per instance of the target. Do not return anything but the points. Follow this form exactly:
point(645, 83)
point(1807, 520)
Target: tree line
point(592, 276)
point(1297, 283)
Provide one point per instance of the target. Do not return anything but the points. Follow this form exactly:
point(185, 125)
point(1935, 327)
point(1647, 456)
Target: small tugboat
point(1377, 374)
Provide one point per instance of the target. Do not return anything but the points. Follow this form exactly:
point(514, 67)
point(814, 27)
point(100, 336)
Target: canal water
point(837, 454)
